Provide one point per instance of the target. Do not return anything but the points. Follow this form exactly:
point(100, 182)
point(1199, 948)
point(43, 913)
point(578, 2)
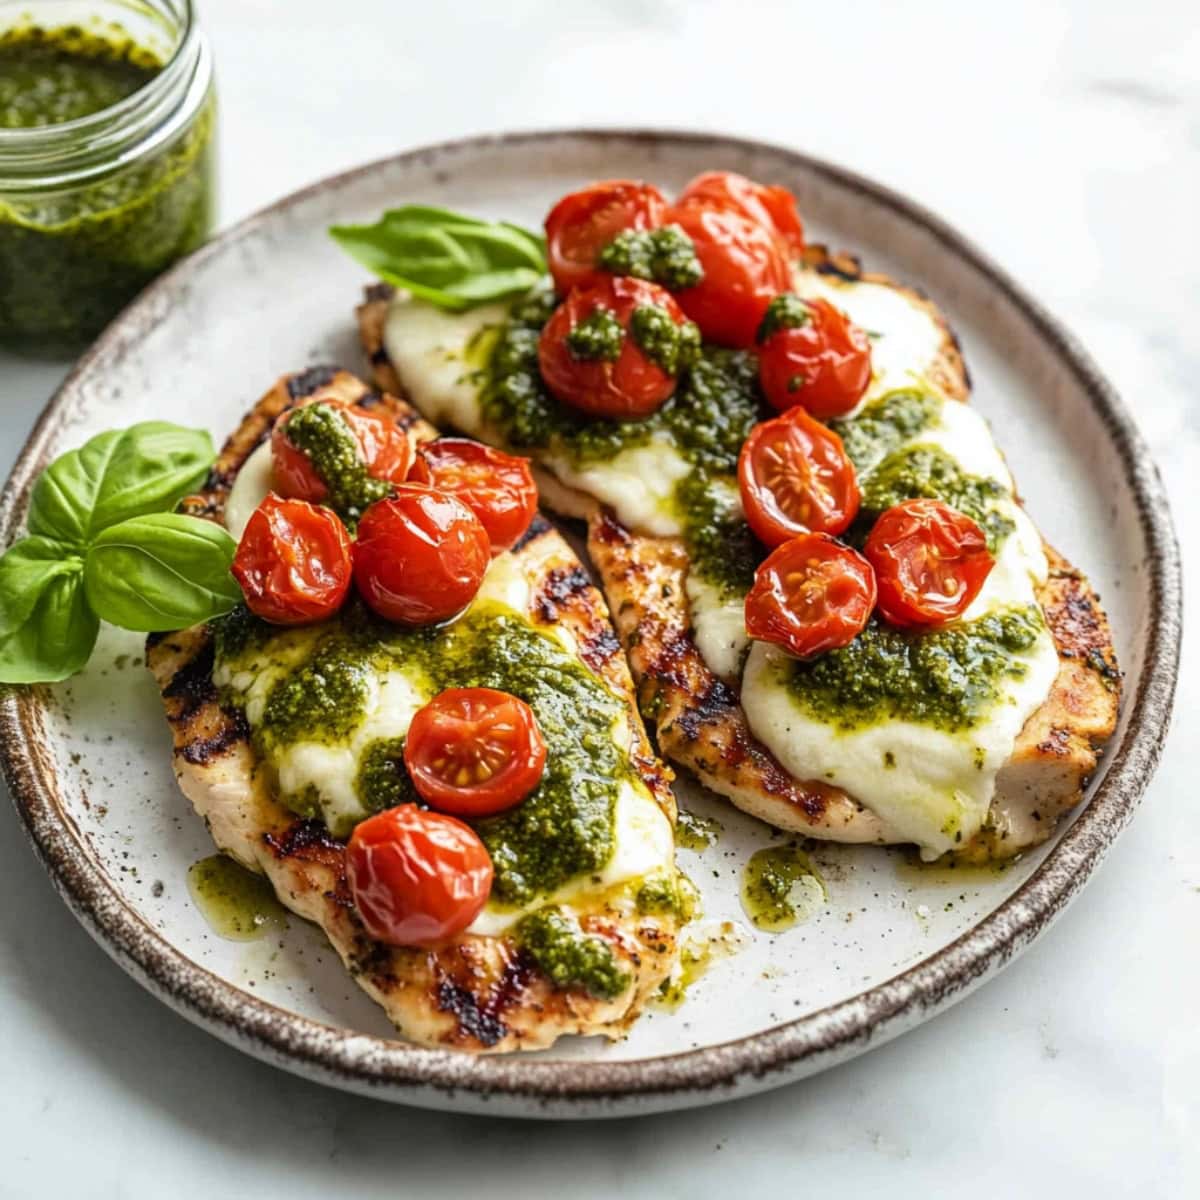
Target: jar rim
point(94, 144)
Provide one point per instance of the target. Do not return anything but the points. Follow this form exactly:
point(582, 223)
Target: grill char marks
point(304, 383)
point(478, 1009)
point(476, 993)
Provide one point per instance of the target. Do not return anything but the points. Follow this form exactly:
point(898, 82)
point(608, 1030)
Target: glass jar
point(94, 206)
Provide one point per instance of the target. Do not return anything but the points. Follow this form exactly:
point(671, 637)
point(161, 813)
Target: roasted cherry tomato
point(744, 267)
point(582, 224)
point(417, 878)
point(795, 478)
point(420, 555)
point(498, 488)
point(823, 362)
point(774, 207)
point(930, 562)
point(474, 751)
point(383, 447)
point(293, 562)
point(812, 594)
point(610, 379)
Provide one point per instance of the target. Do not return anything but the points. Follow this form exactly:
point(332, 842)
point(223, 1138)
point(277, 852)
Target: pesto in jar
point(73, 251)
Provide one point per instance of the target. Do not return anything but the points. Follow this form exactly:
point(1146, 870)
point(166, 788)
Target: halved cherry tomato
point(812, 594)
point(293, 562)
point(498, 488)
point(417, 878)
point(744, 267)
point(930, 561)
point(795, 478)
point(774, 207)
point(383, 447)
point(632, 384)
point(420, 555)
point(823, 363)
point(474, 751)
point(582, 224)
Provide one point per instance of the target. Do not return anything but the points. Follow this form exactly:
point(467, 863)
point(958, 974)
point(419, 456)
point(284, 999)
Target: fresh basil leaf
point(160, 572)
point(124, 473)
point(47, 629)
point(451, 260)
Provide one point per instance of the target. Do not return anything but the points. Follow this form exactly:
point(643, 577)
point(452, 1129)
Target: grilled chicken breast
point(697, 713)
point(475, 993)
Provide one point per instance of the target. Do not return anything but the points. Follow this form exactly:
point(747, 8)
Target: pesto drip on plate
point(322, 678)
point(947, 677)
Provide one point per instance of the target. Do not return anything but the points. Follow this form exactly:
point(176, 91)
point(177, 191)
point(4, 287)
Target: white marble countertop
point(1064, 138)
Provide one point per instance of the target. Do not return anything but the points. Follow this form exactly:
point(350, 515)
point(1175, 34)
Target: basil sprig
point(451, 260)
point(103, 544)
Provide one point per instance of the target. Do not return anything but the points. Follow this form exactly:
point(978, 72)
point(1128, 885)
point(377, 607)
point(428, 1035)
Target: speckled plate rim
point(517, 1086)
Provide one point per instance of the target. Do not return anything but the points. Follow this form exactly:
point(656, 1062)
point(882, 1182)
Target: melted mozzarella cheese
point(643, 844)
point(431, 352)
point(249, 490)
point(435, 355)
point(905, 338)
point(718, 625)
point(940, 787)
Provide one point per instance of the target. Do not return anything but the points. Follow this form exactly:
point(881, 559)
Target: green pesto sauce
point(597, 338)
point(236, 903)
point(715, 405)
point(48, 76)
point(564, 828)
point(709, 416)
point(670, 345)
point(721, 547)
point(71, 257)
point(666, 255)
point(927, 471)
point(884, 425)
point(325, 438)
point(786, 311)
point(780, 887)
point(947, 677)
point(672, 893)
point(321, 701)
point(570, 957)
point(381, 781)
point(694, 832)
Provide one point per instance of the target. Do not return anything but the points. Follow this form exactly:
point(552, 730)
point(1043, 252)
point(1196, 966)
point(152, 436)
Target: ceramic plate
point(89, 763)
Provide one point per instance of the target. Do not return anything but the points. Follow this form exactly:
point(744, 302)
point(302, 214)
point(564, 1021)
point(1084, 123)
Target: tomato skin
point(930, 562)
point(498, 488)
point(811, 595)
point(420, 556)
point(772, 207)
point(581, 224)
point(293, 562)
point(794, 477)
point(383, 446)
point(744, 269)
point(824, 364)
point(632, 385)
point(417, 878)
point(474, 751)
